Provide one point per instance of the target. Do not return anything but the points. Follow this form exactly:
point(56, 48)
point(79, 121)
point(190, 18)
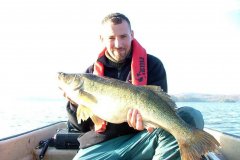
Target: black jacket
point(156, 76)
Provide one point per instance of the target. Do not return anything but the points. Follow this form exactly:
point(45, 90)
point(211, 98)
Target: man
point(125, 59)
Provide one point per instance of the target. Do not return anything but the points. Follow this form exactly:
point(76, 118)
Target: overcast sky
point(197, 40)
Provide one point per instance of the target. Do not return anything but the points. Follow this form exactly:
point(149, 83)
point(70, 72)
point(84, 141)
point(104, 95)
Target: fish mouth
point(74, 79)
point(60, 75)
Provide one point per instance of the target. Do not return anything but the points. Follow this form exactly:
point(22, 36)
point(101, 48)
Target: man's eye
point(123, 36)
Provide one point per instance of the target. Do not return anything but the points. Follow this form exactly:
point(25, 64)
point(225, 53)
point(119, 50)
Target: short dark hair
point(116, 18)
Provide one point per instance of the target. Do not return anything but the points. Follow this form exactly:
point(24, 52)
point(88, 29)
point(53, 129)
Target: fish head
point(69, 82)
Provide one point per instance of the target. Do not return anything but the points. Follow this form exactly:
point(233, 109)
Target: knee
point(191, 116)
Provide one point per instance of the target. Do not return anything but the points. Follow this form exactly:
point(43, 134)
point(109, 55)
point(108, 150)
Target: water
point(25, 115)
point(21, 116)
point(224, 117)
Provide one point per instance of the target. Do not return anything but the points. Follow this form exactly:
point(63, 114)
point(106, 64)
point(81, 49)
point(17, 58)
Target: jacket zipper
point(119, 73)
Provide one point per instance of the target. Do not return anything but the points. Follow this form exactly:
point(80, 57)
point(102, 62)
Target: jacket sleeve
point(84, 126)
point(157, 73)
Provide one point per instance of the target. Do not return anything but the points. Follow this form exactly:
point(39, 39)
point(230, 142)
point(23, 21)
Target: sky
point(198, 42)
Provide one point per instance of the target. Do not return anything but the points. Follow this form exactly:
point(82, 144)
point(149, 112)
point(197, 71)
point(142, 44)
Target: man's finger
point(139, 124)
point(133, 118)
point(129, 117)
point(150, 129)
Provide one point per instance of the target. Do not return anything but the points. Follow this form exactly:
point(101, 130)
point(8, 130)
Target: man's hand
point(134, 120)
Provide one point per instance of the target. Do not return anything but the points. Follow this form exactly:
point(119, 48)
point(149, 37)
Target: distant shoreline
point(197, 97)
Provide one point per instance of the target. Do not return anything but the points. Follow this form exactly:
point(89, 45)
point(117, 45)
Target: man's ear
point(102, 41)
point(132, 34)
point(101, 38)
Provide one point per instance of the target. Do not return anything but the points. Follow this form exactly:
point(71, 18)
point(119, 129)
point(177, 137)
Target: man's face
point(117, 39)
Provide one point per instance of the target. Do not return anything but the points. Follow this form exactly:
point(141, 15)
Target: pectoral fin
point(87, 98)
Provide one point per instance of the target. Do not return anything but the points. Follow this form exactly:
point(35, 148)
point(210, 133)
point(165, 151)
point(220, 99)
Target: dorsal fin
point(167, 98)
point(153, 88)
point(164, 96)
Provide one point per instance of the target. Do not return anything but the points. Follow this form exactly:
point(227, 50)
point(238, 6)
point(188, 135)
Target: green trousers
point(158, 145)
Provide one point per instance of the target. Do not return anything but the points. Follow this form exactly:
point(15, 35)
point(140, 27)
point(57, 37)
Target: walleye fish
point(110, 99)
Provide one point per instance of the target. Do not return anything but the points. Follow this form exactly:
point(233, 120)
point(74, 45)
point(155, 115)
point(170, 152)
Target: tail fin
point(200, 143)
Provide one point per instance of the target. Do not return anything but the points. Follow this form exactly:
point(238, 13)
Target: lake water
point(25, 115)
point(224, 117)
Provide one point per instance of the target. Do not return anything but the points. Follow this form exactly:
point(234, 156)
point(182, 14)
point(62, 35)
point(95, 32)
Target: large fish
point(110, 100)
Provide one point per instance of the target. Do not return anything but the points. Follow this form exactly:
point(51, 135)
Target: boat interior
point(26, 146)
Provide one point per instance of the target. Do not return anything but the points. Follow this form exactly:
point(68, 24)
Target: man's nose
point(118, 42)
